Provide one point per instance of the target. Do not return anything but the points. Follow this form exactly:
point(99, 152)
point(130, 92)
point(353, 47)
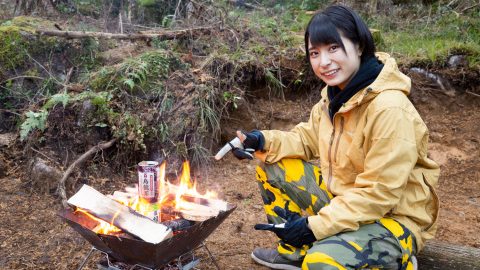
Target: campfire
point(144, 226)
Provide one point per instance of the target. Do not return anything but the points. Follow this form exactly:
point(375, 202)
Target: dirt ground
point(32, 236)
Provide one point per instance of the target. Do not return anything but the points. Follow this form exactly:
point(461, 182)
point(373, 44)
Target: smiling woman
point(372, 202)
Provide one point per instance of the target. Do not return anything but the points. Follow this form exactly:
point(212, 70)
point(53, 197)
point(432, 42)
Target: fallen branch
point(163, 35)
point(440, 255)
point(471, 93)
point(470, 7)
point(244, 4)
point(61, 184)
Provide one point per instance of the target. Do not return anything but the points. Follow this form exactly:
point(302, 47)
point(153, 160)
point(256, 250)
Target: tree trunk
point(164, 35)
point(440, 255)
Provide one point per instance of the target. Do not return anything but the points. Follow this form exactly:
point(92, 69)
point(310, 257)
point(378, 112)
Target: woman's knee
point(318, 260)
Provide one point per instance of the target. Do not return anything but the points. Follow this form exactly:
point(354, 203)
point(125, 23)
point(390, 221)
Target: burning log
point(197, 212)
point(213, 203)
point(120, 215)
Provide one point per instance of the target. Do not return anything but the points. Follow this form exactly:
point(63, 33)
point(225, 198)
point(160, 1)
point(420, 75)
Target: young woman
point(371, 204)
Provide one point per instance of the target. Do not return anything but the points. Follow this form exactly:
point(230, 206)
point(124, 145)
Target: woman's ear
point(359, 50)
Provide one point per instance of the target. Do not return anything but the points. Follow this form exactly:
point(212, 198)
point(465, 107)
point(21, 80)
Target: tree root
point(61, 184)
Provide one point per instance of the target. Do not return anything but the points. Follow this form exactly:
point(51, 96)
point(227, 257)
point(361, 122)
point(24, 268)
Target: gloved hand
point(252, 141)
point(294, 232)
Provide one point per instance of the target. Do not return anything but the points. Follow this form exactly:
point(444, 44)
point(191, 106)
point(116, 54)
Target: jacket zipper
point(332, 138)
point(330, 167)
point(338, 139)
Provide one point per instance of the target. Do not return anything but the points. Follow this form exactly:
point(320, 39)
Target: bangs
point(322, 31)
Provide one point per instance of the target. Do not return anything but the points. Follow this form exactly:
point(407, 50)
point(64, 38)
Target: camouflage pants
point(297, 186)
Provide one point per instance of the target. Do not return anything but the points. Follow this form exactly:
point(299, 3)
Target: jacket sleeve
point(390, 155)
point(300, 142)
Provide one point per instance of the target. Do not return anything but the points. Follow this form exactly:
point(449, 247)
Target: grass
point(430, 37)
point(413, 33)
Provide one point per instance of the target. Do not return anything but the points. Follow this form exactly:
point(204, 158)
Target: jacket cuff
point(318, 227)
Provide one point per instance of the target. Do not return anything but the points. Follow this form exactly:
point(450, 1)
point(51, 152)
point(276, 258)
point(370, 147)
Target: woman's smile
point(334, 65)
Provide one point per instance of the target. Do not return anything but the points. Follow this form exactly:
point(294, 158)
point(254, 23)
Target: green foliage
point(34, 120)
point(140, 74)
point(147, 3)
point(12, 52)
point(231, 98)
point(208, 116)
point(274, 83)
point(56, 99)
point(130, 129)
point(89, 7)
point(87, 58)
point(430, 37)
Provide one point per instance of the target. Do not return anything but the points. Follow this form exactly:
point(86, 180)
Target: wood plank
point(125, 218)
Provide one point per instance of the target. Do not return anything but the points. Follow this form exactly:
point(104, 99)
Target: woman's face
point(332, 64)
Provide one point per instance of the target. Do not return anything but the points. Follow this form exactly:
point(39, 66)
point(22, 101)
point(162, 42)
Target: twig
point(470, 7)
point(61, 184)
point(120, 22)
point(67, 79)
point(142, 26)
point(44, 155)
point(22, 77)
point(176, 10)
point(471, 93)
point(48, 72)
point(10, 111)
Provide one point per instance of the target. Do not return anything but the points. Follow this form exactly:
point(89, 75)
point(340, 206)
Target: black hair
point(324, 28)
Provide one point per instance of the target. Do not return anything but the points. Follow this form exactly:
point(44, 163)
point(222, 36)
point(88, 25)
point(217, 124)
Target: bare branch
point(61, 184)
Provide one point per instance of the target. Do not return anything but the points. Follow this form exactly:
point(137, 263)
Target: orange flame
point(103, 227)
point(165, 191)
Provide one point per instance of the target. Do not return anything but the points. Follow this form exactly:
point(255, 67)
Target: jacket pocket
point(436, 202)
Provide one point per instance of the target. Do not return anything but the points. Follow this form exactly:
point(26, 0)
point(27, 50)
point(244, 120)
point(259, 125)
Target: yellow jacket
point(373, 158)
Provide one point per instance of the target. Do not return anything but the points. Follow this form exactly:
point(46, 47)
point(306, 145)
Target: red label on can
point(148, 173)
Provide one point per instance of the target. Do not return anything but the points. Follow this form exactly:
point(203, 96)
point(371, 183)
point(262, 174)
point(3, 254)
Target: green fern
point(56, 99)
point(35, 120)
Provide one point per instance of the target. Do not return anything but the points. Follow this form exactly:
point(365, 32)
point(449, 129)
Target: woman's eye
point(333, 48)
point(313, 54)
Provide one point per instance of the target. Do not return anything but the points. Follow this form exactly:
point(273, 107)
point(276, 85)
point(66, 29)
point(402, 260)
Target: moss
point(30, 24)
point(16, 40)
point(12, 47)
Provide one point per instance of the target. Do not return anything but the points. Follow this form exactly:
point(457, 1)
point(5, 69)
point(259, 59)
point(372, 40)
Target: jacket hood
point(390, 78)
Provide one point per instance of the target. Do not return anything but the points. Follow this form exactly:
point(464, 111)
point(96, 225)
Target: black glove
point(295, 232)
point(254, 141)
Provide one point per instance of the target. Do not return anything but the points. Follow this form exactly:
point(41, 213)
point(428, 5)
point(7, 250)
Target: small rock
point(44, 177)
point(87, 109)
point(457, 61)
point(6, 139)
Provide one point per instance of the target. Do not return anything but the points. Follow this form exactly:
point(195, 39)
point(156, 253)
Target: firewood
point(197, 212)
point(125, 218)
point(212, 203)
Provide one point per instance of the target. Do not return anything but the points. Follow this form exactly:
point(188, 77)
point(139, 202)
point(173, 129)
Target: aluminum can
point(148, 182)
point(151, 211)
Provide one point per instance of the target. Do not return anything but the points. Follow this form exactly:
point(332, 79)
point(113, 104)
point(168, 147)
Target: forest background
point(150, 79)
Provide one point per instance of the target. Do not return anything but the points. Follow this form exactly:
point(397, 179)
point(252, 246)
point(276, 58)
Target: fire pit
point(138, 252)
point(128, 244)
